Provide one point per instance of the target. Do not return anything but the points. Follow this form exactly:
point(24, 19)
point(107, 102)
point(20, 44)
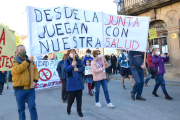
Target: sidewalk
point(169, 81)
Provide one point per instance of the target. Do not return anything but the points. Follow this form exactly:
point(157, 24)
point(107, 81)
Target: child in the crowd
point(89, 79)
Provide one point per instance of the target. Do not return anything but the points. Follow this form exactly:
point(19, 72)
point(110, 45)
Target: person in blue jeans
point(137, 69)
point(23, 88)
point(99, 66)
point(158, 63)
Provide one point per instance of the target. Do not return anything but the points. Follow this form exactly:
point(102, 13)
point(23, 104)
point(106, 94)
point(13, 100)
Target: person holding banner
point(2, 80)
point(158, 63)
point(99, 66)
point(23, 89)
point(137, 69)
point(74, 81)
point(62, 75)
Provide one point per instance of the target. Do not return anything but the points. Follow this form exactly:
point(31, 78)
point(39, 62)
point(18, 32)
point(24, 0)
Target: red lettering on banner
point(108, 42)
point(133, 45)
point(126, 45)
point(3, 56)
point(129, 20)
point(53, 83)
point(11, 61)
point(118, 44)
point(109, 21)
point(121, 21)
point(44, 85)
point(7, 62)
point(112, 21)
point(136, 22)
point(36, 85)
point(2, 37)
point(113, 43)
point(0, 49)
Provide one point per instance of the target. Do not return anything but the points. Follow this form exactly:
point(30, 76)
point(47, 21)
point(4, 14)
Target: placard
point(88, 70)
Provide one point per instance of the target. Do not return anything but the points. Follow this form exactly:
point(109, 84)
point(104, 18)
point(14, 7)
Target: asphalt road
point(50, 107)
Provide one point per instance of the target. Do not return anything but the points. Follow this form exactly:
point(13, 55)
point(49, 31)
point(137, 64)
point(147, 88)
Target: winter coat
point(149, 59)
point(87, 58)
point(158, 63)
point(113, 60)
point(122, 59)
point(136, 59)
point(60, 69)
point(2, 77)
point(21, 73)
point(74, 80)
point(98, 73)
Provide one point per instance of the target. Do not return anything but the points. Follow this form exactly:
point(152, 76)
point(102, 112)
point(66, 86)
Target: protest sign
point(125, 32)
point(152, 33)
point(88, 70)
point(63, 28)
point(48, 76)
point(7, 48)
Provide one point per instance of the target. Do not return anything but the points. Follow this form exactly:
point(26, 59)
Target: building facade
point(165, 17)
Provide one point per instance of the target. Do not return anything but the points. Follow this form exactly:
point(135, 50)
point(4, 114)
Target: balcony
point(136, 7)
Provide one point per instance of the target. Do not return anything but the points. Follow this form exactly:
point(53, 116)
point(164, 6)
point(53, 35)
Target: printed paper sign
point(88, 70)
point(7, 48)
point(48, 76)
point(125, 32)
point(152, 33)
point(63, 28)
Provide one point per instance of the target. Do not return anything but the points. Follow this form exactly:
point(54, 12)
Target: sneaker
point(124, 87)
point(110, 105)
point(168, 97)
point(98, 104)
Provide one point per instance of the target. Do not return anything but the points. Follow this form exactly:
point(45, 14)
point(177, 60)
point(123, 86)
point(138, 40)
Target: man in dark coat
point(113, 63)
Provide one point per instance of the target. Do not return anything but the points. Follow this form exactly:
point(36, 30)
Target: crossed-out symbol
point(45, 73)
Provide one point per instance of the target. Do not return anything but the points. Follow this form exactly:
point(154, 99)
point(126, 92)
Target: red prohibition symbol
point(45, 73)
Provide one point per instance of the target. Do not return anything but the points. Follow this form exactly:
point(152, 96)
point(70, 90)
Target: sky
point(13, 13)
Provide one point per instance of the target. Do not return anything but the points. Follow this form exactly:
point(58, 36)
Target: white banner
point(48, 76)
point(125, 32)
point(63, 28)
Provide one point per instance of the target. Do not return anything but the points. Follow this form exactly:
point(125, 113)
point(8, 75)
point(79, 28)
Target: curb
point(167, 82)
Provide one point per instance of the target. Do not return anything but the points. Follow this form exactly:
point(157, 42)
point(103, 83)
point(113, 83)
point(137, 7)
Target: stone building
point(165, 17)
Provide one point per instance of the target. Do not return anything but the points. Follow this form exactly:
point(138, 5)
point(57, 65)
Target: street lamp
point(118, 4)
